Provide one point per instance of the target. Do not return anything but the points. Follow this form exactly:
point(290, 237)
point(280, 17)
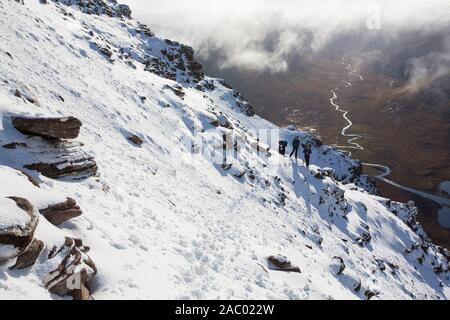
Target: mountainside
point(127, 173)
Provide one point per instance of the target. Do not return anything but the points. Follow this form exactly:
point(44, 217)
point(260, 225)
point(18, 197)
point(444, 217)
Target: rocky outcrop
point(322, 173)
point(194, 68)
point(59, 213)
point(99, 7)
point(423, 252)
point(66, 163)
point(49, 128)
point(74, 272)
point(54, 156)
point(281, 263)
point(348, 170)
point(334, 200)
point(221, 121)
point(176, 89)
point(16, 229)
point(175, 62)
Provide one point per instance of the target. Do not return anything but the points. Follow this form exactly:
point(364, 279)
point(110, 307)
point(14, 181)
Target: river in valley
point(434, 209)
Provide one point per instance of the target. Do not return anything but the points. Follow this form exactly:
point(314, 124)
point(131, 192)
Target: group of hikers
point(295, 145)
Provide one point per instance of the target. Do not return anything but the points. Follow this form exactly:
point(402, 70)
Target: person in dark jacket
point(282, 147)
point(295, 145)
point(307, 153)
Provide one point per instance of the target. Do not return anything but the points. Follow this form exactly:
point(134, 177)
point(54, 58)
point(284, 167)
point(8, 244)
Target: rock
point(59, 213)
point(144, 30)
point(16, 229)
point(370, 294)
point(55, 158)
point(50, 128)
point(26, 93)
point(195, 68)
point(158, 67)
point(14, 145)
point(74, 272)
point(224, 122)
point(281, 263)
point(364, 239)
point(357, 285)
point(136, 140)
point(80, 166)
point(338, 266)
point(220, 120)
point(322, 173)
point(29, 256)
point(124, 10)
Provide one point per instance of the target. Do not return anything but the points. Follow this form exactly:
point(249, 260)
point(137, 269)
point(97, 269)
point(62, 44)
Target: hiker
point(295, 144)
point(307, 153)
point(282, 147)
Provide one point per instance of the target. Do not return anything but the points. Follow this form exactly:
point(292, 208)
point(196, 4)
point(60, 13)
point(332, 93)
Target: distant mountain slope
point(181, 195)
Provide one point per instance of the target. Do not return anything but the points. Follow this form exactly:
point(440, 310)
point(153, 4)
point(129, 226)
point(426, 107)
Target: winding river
point(351, 139)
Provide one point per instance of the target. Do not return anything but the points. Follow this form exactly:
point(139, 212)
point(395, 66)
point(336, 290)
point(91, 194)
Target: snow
point(19, 186)
point(163, 223)
point(12, 216)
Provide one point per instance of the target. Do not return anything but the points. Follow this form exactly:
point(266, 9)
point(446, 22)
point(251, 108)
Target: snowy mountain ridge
point(173, 182)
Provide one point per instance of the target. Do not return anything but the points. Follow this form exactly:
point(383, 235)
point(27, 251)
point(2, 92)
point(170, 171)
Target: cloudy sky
point(263, 34)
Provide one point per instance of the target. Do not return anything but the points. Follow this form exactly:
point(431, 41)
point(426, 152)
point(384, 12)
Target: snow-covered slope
point(169, 219)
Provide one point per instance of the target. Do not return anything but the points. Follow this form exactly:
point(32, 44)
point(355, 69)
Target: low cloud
point(268, 35)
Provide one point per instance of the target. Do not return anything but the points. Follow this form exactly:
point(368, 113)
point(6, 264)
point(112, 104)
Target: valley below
point(395, 128)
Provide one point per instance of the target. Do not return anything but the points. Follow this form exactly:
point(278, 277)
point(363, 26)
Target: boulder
point(18, 221)
point(74, 272)
point(59, 213)
point(49, 128)
point(281, 263)
point(29, 256)
point(338, 265)
point(136, 140)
